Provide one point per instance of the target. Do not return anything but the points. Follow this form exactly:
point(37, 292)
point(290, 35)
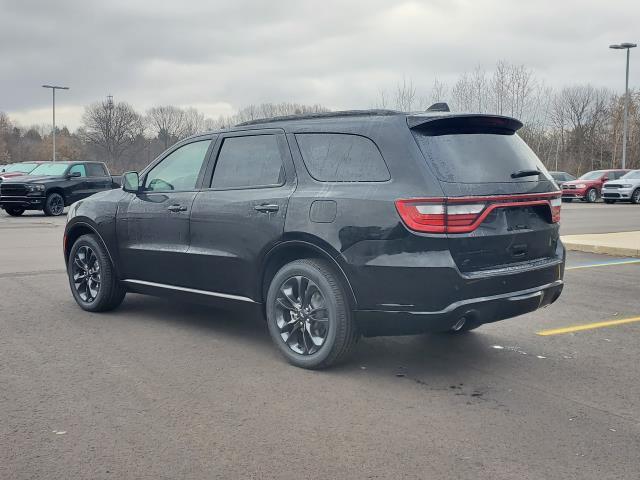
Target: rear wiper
point(525, 173)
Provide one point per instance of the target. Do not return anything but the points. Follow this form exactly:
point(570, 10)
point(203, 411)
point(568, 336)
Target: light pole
point(627, 47)
point(53, 89)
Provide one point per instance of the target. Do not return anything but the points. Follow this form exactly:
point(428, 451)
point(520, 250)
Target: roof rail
point(310, 116)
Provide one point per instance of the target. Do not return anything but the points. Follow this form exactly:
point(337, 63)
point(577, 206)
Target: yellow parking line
point(587, 326)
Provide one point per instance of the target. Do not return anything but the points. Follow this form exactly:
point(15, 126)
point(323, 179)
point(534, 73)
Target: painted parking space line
point(587, 326)
point(608, 263)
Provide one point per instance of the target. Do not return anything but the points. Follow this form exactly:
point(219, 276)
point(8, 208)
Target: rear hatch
point(500, 207)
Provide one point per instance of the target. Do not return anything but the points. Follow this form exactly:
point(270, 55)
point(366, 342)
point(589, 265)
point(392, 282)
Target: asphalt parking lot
point(160, 389)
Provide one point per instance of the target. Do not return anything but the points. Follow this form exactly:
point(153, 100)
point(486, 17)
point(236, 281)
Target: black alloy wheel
point(86, 274)
point(302, 315)
point(54, 205)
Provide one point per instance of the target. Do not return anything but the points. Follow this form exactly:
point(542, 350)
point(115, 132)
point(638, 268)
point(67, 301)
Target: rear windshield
point(478, 157)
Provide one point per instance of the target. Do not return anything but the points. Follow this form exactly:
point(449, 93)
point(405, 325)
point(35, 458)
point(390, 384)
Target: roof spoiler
point(464, 123)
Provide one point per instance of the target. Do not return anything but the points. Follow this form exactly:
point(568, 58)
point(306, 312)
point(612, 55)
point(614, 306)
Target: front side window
point(79, 169)
point(179, 170)
point(249, 162)
point(338, 157)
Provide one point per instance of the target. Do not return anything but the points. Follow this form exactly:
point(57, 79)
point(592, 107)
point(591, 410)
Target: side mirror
point(131, 182)
point(74, 175)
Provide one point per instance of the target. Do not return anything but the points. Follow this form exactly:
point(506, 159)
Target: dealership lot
point(171, 390)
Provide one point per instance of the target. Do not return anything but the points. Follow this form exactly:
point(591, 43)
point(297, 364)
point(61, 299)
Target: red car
point(589, 186)
point(17, 169)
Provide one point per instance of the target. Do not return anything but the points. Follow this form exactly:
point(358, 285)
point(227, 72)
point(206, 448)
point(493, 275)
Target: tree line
point(576, 128)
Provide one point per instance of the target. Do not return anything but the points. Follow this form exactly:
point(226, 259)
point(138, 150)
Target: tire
point(54, 205)
point(608, 201)
point(464, 328)
point(635, 196)
point(591, 195)
point(567, 200)
point(14, 212)
point(109, 293)
point(322, 343)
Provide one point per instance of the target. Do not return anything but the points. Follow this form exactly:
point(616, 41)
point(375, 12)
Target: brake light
point(465, 214)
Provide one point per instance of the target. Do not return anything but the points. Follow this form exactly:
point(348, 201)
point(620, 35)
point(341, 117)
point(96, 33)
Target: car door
point(153, 225)
point(97, 178)
point(76, 188)
point(241, 213)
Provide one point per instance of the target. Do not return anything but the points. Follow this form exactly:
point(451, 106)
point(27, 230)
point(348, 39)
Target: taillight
point(556, 204)
point(465, 214)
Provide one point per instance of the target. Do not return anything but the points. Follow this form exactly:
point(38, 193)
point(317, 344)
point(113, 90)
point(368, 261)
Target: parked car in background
point(561, 177)
point(589, 186)
point(334, 225)
point(17, 169)
point(53, 185)
point(625, 189)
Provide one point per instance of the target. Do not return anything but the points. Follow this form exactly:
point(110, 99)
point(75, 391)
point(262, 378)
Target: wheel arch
point(295, 249)
point(75, 231)
point(58, 190)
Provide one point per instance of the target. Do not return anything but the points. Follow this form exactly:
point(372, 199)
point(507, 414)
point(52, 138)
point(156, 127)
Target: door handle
point(267, 207)
point(176, 208)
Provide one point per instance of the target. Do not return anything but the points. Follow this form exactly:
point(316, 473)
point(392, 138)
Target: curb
point(604, 249)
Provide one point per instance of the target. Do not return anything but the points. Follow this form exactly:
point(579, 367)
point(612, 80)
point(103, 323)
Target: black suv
point(335, 225)
point(51, 186)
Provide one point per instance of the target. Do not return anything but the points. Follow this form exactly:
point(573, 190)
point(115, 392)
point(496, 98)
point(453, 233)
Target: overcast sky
point(221, 55)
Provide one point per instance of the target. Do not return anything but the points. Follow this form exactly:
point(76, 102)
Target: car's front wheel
point(14, 212)
point(591, 195)
point(309, 314)
point(92, 279)
point(54, 204)
point(635, 196)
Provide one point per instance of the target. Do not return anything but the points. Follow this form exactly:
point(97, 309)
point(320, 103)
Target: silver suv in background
point(624, 189)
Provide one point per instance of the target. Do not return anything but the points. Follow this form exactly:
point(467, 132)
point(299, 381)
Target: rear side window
point(249, 162)
point(335, 157)
point(96, 170)
point(478, 156)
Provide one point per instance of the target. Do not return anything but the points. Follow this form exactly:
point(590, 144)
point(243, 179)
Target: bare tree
point(167, 123)
point(193, 122)
point(111, 127)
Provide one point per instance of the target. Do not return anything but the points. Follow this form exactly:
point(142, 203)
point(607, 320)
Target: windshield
point(20, 167)
point(483, 157)
point(634, 174)
point(592, 175)
point(54, 169)
point(557, 175)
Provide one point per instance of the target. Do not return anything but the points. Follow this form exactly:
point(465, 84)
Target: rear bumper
point(28, 203)
point(482, 310)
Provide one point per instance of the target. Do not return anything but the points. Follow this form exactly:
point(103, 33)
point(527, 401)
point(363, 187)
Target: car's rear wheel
point(591, 195)
point(92, 279)
point(54, 205)
point(309, 314)
point(635, 196)
point(14, 212)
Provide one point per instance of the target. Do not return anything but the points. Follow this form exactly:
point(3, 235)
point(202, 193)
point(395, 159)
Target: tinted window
point(334, 157)
point(253, 161)
point(179, 170)
point(80, 169)
point(95, 170)
point(478, 157)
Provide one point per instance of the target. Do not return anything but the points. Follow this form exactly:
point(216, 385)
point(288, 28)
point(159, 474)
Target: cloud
point(335, 52)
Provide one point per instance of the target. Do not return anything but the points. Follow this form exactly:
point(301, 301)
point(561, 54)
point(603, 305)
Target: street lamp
point(627, 47)
point(53, 89)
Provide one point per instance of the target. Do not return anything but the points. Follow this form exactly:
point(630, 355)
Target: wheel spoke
point(86, 274)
